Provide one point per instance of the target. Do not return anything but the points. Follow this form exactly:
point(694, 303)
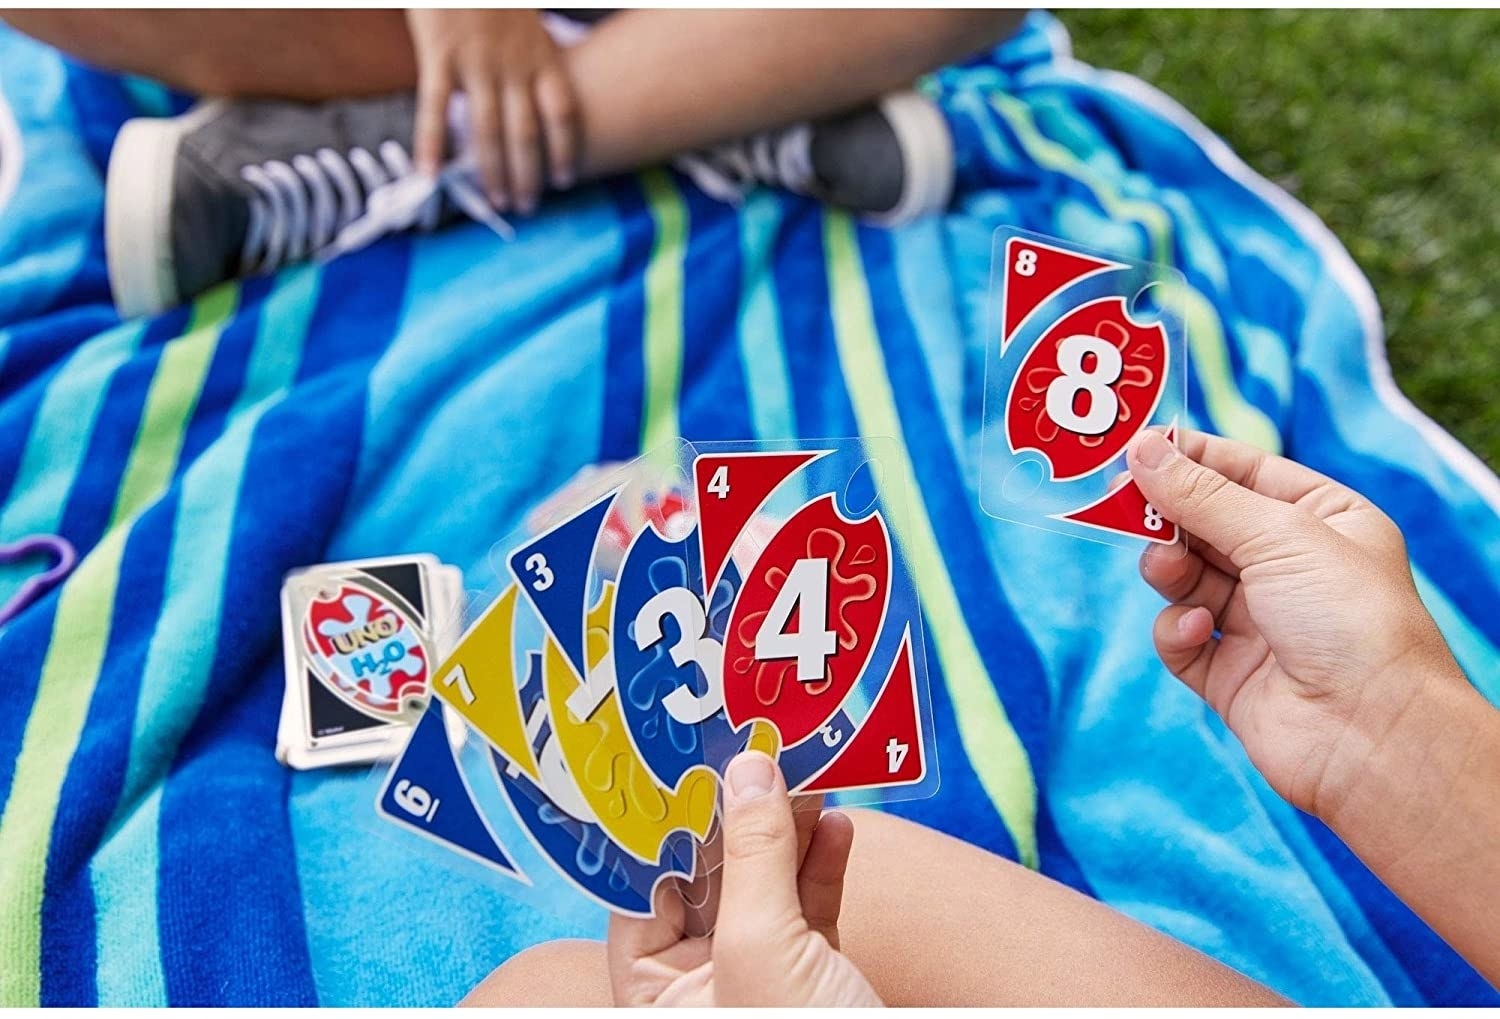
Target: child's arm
point(1331, 672)
point(1424, 811)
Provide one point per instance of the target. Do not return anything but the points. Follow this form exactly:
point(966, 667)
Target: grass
point(1387, 125)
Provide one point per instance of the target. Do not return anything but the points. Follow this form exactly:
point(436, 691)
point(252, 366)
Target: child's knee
point(567, 972)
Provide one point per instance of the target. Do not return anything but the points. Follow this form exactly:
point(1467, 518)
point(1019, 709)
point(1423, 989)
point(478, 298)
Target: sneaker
point(231, 189)
point(891, 162)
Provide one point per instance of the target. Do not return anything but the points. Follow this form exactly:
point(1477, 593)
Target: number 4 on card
point(805, 591)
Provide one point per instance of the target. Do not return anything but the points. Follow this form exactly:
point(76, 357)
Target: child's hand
point(1324, 642)
point(777, 938)
point(520, 99)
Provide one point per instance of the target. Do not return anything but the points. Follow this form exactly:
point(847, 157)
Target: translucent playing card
point(360, 640)
point(535, 679)
point(455, 804)
point(823, 661)
point(1085, 350)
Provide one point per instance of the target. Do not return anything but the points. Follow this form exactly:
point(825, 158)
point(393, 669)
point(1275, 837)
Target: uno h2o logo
point(367, 648)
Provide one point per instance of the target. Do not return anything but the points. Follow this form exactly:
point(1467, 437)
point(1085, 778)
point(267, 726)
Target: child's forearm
point(1424, 811)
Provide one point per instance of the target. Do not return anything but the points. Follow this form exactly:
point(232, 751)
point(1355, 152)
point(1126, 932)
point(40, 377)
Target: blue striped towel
point(422, 395)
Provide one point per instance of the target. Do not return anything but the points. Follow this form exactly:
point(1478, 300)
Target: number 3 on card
point(537, 564)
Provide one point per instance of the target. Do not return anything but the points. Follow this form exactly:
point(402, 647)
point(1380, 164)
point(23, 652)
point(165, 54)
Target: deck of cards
point(1086, 350)
point(360, 640)
point(645, 629)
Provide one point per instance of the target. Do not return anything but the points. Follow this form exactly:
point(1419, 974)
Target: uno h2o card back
point(360, 640)
point(1084, 351)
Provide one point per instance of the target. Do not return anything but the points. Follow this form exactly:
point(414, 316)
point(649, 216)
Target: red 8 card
point(1090, 350)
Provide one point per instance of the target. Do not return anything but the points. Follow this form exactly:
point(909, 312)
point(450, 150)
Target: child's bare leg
point(555, 974)
point(653, 83)
point(648, 83)
point(934, 921)
point(937, 921)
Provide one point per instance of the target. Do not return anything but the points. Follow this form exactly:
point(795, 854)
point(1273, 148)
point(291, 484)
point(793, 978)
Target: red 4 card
point(806, 621)
point(1090, 350)
point(888, 747)
point(822, 653)
point(730, 504)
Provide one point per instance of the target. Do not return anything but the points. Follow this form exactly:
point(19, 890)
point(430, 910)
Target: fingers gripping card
point(1090, 350)
point(598, 680)
point(822, 644)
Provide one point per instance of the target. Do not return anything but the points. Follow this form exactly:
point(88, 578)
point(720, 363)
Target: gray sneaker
point(891, 161)
point(230, 189)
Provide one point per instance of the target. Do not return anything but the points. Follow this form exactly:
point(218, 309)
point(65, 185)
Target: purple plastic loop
point(65, 558)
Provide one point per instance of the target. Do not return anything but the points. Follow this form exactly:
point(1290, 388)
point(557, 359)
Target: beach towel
point(423, 394)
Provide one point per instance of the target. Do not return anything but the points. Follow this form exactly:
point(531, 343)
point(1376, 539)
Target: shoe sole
point(927, 153)
point(138, 211)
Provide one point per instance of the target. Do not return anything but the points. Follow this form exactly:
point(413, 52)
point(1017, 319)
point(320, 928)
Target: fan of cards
point(653, 622)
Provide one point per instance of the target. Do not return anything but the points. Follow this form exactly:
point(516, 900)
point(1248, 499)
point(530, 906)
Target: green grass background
point(1387, 125)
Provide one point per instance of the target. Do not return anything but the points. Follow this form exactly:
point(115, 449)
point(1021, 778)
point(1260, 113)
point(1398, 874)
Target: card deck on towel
point(669, 613)
point(1087, 350)
point(359, 642)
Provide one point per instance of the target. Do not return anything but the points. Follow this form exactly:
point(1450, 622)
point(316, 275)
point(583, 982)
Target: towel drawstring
point(64, 556)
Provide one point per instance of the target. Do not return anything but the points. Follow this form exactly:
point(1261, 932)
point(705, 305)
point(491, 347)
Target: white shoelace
point(312, 205)
point(782, 158)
